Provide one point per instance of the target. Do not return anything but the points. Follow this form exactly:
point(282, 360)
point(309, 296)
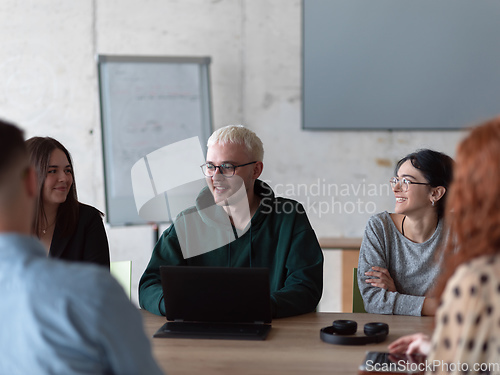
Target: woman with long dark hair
point(468, 320)
point(69, 230)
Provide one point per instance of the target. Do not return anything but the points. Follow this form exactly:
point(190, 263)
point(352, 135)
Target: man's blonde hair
point(240, 135)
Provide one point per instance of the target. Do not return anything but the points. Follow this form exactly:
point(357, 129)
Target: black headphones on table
point(340, 333)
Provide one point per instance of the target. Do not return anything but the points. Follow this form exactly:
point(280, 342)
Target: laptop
point(216, 303)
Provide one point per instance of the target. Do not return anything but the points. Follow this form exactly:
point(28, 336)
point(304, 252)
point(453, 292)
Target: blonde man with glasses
point(397, 260)
point(239, 222)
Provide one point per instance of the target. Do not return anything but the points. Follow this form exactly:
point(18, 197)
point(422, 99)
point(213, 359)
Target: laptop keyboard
point(213, 330)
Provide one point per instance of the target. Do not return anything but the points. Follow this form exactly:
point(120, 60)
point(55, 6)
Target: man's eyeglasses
point(404, 183)
point(226, 169)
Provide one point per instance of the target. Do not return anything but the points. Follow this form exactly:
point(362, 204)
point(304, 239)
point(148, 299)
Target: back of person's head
point(40, 149)
point(475, 193)
point(437, 169)
point(238, 134)
point(13, 161)
point(474, 199)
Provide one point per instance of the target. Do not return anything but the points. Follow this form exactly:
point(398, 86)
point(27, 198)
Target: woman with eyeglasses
point(69, 229)
point(397, 260)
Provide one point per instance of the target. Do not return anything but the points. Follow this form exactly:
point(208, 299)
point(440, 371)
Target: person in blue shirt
point(57, 317)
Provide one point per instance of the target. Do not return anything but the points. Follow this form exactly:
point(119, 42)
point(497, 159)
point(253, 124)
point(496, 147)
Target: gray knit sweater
point(413, 267)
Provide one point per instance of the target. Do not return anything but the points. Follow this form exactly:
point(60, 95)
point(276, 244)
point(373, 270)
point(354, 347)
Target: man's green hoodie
point(279, 238)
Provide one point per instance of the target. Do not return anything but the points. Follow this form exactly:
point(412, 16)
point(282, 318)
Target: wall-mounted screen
point(400, 64)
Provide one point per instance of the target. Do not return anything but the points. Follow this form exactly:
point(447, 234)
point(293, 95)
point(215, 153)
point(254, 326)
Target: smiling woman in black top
point(69, 230)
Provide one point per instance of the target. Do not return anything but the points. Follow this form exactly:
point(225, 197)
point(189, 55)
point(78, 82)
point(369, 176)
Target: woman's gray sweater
point(412, 266)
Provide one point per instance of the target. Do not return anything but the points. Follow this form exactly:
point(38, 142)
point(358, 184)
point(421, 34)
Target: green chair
point(122, 272)
point(357, 300)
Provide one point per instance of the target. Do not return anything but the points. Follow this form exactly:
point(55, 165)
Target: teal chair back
point(122, 272)
point(357, 300)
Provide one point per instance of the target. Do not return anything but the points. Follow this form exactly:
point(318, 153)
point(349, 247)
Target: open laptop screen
point(216, 294)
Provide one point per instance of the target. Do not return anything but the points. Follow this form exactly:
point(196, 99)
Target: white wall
point(48, 85)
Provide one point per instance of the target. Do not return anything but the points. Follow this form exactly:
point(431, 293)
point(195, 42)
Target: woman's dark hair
point(40, 150)
point(437, 169)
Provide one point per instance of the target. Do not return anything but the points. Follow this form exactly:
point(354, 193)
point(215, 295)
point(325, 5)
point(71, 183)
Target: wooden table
point(292, 347)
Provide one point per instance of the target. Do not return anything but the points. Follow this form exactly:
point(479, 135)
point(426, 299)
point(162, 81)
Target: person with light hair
point(237, 221)
point(58, 317)
point(239, 134)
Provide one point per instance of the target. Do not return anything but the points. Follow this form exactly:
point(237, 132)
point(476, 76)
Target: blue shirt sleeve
point(117, 328)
